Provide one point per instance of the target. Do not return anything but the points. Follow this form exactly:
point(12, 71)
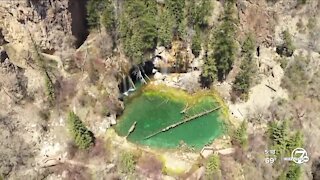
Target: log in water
point(182, 122)
point(161, 110)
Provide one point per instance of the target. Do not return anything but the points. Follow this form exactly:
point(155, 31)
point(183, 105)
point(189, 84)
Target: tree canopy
point(243, 79)
point(82, 137)
point(138, 28)
point(224, 42)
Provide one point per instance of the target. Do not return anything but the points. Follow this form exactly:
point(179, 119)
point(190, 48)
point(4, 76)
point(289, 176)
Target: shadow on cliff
point(79, 26)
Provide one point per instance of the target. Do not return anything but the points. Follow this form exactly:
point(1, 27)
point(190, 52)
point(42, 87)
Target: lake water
point(154, 110)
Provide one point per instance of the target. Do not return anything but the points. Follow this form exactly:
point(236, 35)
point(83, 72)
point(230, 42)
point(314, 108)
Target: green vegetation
point(198, 12)
point(196, 43)
point(293, 173)
point(296, 76)
point(287, 48)
point(283, 62)
point(165, 28)
point(243, 79)
point(224, 46)
point(102, 13)
point(282, 140)
point(177, 10)
point(108, 19)
point(138, 28)
point(209, 71)
point(127, 162)
point(301, 2)
point(212, 166)
point(144, 24)
point(240, 136)
point(94, 8)
point(279, 135)
point(82, 137)
point(49, 89)
point(312, 23)
point(49, 85)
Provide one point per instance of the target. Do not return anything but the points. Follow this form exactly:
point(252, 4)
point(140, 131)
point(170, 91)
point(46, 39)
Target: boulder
point(158, 76)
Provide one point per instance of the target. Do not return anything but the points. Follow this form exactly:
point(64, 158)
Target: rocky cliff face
point(83, 80)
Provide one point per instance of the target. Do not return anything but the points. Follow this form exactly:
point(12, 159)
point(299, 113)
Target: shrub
point(293, 173)
point(127, 162)
point(283, 62)
point(301, 2)
point(296, 76)
point(50, 92)
point(312, 23)
point(287, 48)
point(212, 166)
point(240, 136)
point(44, 114)
point(83, 138)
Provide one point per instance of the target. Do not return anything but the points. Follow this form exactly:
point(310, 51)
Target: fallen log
point(132, 128)
point(273, 89)
point(182, 122)
point(187, 107)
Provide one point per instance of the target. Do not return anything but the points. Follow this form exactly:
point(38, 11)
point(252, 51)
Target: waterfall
point(124, 83)
point(137, 72)
point(164, 69)
point(131, 84)
point(145, 74)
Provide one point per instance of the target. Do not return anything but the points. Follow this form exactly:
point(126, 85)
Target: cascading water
point(131, 84)
point(164, 69)
point(125, 89)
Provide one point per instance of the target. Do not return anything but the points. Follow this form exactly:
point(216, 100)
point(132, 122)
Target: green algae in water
point(154, 111)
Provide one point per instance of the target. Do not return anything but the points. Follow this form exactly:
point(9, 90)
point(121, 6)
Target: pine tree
point(294, 172)
point(212, 165)
point(108, 16)
point(279, 135)
point(295, 141)
point(224, 43)
point(165, 28)
point(240, 135)
point(196, 43)
point(243, 79)
point(94, 8)
point(82, 137)
point(209, 71)
point(176, 9)
point(287, 48)
point(138, 28)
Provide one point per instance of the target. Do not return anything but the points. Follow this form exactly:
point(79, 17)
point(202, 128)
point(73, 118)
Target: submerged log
point(182, 122)
point(132, 128)
point(187, 107)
